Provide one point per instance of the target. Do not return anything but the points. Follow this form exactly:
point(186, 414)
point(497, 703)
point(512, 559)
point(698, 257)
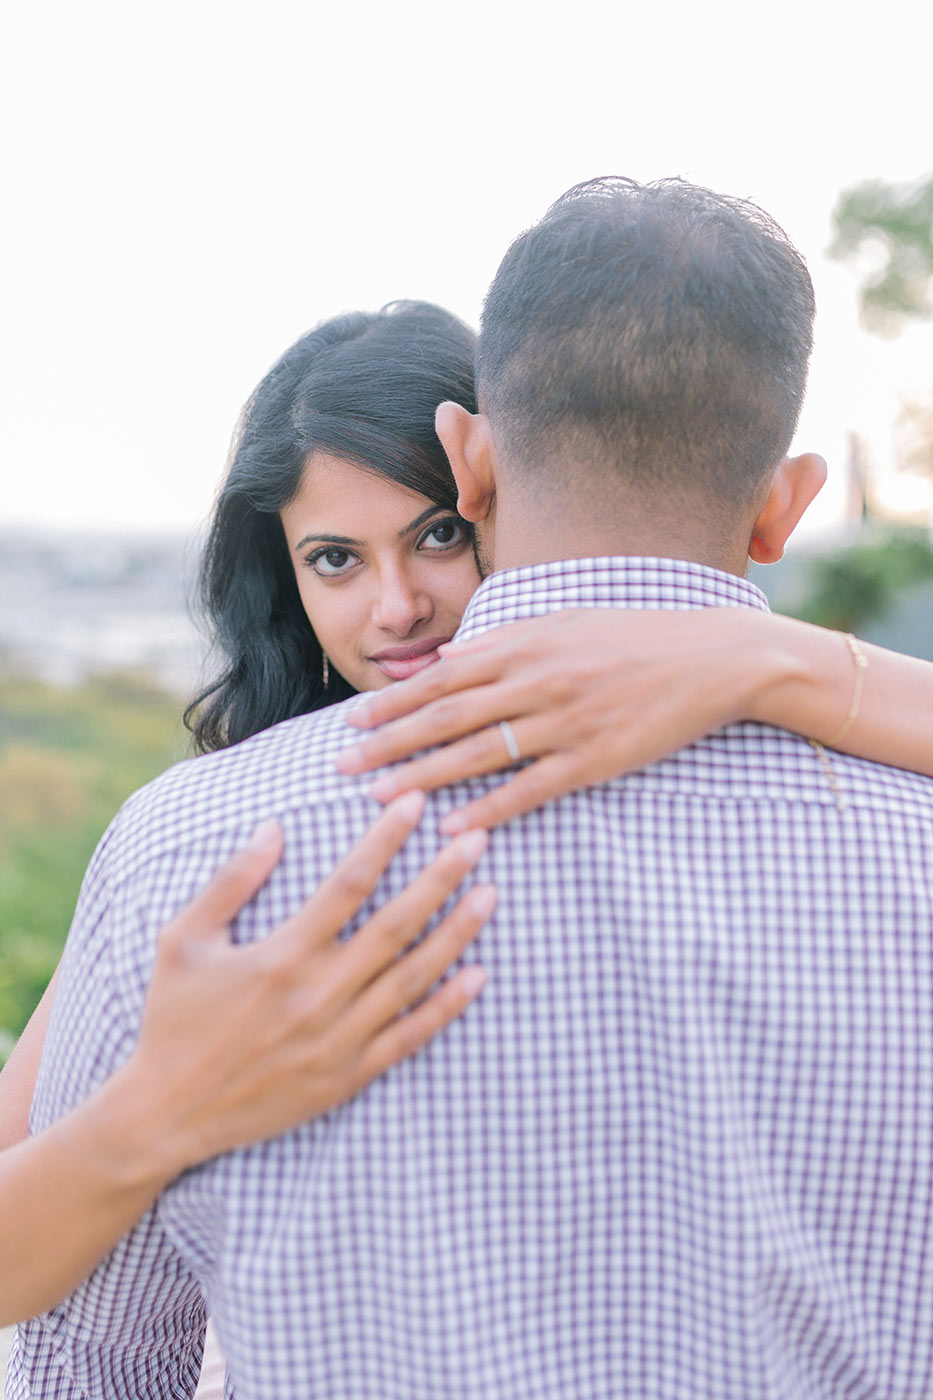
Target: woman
point(357, 394)
point(336, 563)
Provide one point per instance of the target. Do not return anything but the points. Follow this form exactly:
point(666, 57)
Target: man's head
point(646, 343)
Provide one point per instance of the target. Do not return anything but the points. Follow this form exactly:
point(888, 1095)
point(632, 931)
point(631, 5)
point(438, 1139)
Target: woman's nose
point(399, 605)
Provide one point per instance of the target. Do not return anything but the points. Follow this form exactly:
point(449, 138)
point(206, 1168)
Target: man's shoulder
point(291, 765)
point(878, 787)
point(757, 764)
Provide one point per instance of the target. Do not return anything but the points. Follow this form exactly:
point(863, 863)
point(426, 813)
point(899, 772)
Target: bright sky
point(193, 184)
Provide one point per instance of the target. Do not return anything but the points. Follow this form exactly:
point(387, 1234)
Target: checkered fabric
point(681, 1148)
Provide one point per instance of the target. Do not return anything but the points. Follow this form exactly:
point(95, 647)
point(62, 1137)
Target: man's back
point(682, 1145)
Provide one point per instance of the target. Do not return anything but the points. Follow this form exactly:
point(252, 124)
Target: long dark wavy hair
point(362, 387)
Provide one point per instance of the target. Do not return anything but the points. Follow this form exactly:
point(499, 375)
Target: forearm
point(812, 683)
point(68, 1194)
point(18, 1077)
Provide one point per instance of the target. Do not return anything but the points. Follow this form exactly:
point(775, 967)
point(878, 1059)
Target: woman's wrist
point(805, 677)
point(69, 1193)
point(132, 1130)
point(749, 660)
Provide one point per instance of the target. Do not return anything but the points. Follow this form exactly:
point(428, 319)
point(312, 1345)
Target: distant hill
point(77, 605)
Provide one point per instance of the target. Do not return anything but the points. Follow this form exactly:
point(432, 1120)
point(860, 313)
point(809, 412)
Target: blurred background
point(191, 186)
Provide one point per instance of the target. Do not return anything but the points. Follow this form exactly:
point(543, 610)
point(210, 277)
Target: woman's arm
point(236, 1044)
point(894, 721)
point(591, 694)
point(18, 1076)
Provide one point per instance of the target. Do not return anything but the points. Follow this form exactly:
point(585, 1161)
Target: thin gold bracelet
point(860, 661)
point(828, 774)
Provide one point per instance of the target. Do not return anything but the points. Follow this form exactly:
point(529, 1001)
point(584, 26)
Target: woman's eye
point(331, 562)
point(445, 534)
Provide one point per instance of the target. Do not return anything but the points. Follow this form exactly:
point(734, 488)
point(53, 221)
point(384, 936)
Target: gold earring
point(325, 670)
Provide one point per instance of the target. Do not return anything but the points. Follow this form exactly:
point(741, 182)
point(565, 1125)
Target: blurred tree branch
point(914, 436)
point(891, 228)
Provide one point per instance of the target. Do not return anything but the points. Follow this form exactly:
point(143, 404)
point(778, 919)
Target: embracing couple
point(681, 1144)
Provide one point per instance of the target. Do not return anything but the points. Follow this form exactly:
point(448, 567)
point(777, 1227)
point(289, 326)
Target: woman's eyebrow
point(326, 539)
point(425, 515)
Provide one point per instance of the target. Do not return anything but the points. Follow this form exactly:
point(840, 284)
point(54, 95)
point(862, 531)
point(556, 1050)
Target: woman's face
point(384, 574)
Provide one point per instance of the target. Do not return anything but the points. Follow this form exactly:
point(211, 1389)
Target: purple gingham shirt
point(680, 1149)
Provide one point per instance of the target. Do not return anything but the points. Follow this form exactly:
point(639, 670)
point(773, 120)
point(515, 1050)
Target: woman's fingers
point(409, 978)
point(308, 1010)
point(444, 678)
point(397, 924)
point(231, 886)
point(444, 720)
point(472, 757)
point(403, 1037)
point(541, 782)
point(340, 895)
point(524, 668)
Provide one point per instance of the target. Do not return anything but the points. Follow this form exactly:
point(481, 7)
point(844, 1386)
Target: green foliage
point(860, 584)
point(68, 758)
point(895, 221)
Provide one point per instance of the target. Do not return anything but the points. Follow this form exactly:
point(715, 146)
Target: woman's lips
point(398, 663)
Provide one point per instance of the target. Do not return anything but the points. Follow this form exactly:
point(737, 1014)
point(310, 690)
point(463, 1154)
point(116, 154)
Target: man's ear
point(796, 482)
point(467, 440)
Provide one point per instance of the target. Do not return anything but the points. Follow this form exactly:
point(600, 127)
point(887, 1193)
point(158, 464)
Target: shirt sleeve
point(135, 1327)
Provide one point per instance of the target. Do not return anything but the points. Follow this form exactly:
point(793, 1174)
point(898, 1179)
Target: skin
point(589, 696)
point(630, 687)
point(382, 601)
point(316, 1019)
point(685, 675)
point(574, 718)
point(384, 573)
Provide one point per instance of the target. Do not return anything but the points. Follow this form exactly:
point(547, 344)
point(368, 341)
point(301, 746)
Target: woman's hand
point(589, 693)
point(240, 1043)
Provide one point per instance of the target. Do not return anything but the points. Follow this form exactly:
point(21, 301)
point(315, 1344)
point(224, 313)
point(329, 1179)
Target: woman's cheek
point(340, 620)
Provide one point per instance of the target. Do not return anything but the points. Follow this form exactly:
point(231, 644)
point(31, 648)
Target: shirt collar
point(610, 582)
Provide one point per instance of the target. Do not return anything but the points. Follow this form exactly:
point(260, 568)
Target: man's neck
point(524, 536)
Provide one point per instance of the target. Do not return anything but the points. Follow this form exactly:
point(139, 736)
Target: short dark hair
point(659, 330)
point(363, 387)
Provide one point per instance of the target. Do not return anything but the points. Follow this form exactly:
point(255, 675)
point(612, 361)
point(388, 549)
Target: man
point(681, 1147)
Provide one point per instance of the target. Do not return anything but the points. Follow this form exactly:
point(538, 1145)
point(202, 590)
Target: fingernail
point(359, 717)
point(410, 805)
point(481, 901)
point(471, 981)
point(348, 760)
point(473, 844)
point(383, 789)
point(265, 836)
point(451, 825)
